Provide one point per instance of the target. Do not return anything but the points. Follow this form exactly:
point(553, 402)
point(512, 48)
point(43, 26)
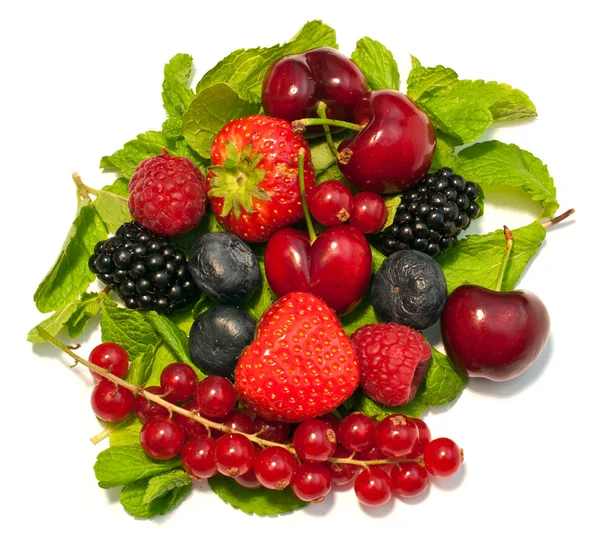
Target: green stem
point(557, 219)
point(322, 113)
point(309, 224)
point(509, 244)
point(82, 190)
point(97, 192)
point(299, 126)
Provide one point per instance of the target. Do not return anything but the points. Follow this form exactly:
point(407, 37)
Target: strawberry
point(300, 365)
point(253, 182)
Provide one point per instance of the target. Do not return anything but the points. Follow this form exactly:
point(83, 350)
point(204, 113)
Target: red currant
point(234, 454)
point(356, 432)
point(311, 482)
point(342, 474)
point(239, 421)
point(373, 487)
point(198, 457)
point(192, 427)
point(112, 357)
point(111, 402)
point(373, 454)
point(162, 438)
point(409, 479)
point(274, 467)
point(423, 440)
point(215, 396)
point(442, 457)
point(273, 431)
point(331, 203)
point(314, 440)
point(331, 420)
point(178, 382)
point(370, 212)
point(248, 480)
point(146, 409)
point(396, 435)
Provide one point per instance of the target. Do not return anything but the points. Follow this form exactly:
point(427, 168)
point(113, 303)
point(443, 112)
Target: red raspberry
point(393, 360)
point(167, 194)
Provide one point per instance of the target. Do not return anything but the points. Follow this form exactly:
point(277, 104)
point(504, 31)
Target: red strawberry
point(300, 365)
point(253, 183)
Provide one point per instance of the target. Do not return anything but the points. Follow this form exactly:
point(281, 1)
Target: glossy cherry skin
point(336, 268)
point(491, 334)
point(294, 84)
point(395, 148)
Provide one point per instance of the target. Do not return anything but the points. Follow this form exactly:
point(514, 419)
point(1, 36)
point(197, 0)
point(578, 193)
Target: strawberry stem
point(309, 224)
point(322, 113)
point(299, 126)
point(509, 244)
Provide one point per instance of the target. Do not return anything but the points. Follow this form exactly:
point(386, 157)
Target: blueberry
point(218, 337)
point(224, 268)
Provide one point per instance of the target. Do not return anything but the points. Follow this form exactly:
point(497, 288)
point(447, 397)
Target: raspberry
point(167, 194)
point(393, 360)
point(432, 214)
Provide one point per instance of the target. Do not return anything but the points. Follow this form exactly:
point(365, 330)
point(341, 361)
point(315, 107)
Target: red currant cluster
point(395, 454)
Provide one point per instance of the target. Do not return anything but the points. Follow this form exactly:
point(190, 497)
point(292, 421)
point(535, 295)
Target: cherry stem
point(322, 113)
point(309, 224)
point(82, 190)
point(299, 126)
point(505, 257)
point(557, 219)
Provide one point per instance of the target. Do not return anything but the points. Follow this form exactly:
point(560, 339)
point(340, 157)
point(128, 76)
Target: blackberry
point(431, 215)
point(147, 271)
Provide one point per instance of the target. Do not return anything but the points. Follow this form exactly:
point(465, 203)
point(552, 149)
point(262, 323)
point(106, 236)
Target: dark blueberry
point(176, 293)
point(450, 194)
point(155, 262)
point(438, 199)
point(458, 183)
point(122, 258)
point(160, 279)
point(404, 218)
point(143, 286)
point(462, 201)
point(421, 230)
point(218, 338)
point(450, 211)
point(410, 289)
point(440, 184)
point(423, 210)
point(127, 288)
point(139, 249)
point(472, 210)
point(433, 249)
point(463, 221)
point(420, 244)
point(103, 263)
point(471, 190)
point(145, 302)
point(154, 246)
point(435, 219)
point(405, 233)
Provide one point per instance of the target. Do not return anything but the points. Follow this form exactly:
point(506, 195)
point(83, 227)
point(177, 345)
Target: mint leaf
point(141, 366)
point(70, 275)
point(147, 144)
point(428, 80)
point(476, 259)
point(264, 296)
point(162, 358)
point(87, 307)
point(111, 204)
point(53, 324)
point(244, 70)
point(260, 501)
point(126, 432)
point(209, 111)
point(391, 204)
point(127, 328)
point(377, 64)
point(496, 163)
point(333, 173)
point(362, 403)
point(132, 499)
point(361, 315)
point(378, 259)
point(444, 153)
point(176, 94)
point(125, 464)
point(162, 484)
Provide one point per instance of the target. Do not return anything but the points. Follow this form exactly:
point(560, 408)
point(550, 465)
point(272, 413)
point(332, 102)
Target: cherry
point(146, 409)
point(331, 203)
point(178, 382)
point(162, 438)
point(409, 479)
point(273, 431)
point(198, 457)
point(369, 213)
point(314, 440)
point(234, 454)
point(192, 427)
point(442, 457)
point(492, 333)
point(342, 474)
point(274, 467)
point(396, 435)
point(422, 441)
point(395, 148)
point(111, 402)
point(373, 487)
point(357, 432)
point(215, 396)
point(112, 357)
point(311, 482)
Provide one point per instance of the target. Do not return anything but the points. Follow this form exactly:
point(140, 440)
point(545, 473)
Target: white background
point(80, 79)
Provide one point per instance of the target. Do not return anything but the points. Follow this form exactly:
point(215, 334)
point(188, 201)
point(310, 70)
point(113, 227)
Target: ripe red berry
point(237, 420)
point(192, 427)
point(178, 382)
point(234, 454)
point(112, 357)
point(314, 440)
point(342, 474)
point(248, 480)
point(422, 441)
point(356, 432)
point(331, 203)
point(146, 409)
point(369, 213)
point(331, 420)
point(215, 396)
point(409, 479)
point(396, 435)
point(442, 457)
point(311, 482)
point(274, 431)
point(111, 402)
point(162, 438)
point(373, 454)
point(373, 487)
point(274, 467)
point(198, 457)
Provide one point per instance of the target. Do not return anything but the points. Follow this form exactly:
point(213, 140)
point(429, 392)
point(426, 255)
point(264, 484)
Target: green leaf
point(126, 327)
point(132, 499)
point(377, 64)
point(476, 259)
point(147, 144)
point(53, 324)
point(496, 163)
point(111, 204)
point(260, 501)
point(444, 153)
point(141, 366)
point(162, 484)
point(333, 173)
point(374, 410)
point(361, 315)
point(125, 464)
point(391, 204)
point(163, 357)
point(428, 80)
point(126, 432)
point(459, 117)
point(378, 259)
point(174, 337)
point(87, 307)
point(244, 70)
point(176, 94)
point(70, 275)
point(209, 111)
point(264, 296)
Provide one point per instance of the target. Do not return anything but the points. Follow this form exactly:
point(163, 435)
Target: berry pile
point(432, 214)
point(146, 270)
